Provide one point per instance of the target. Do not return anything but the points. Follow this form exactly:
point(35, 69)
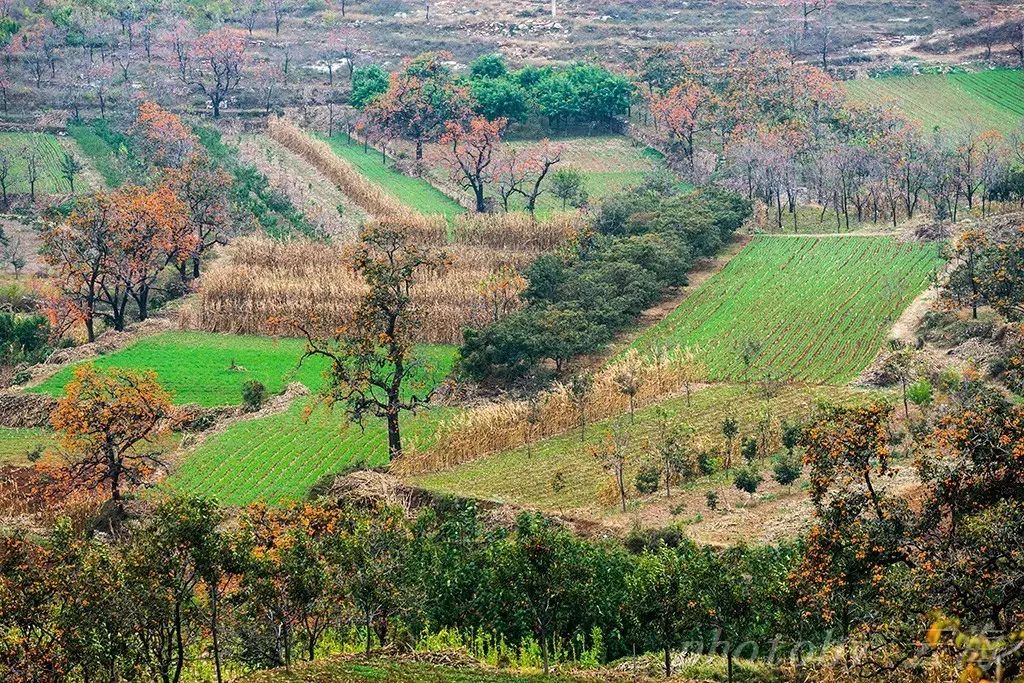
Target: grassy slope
point(15, 444)
point(278, 458)
point(415, 192)
point(820, 306)
point(50, 152)
point(355, 671)
point(99, 152)
point(989, 98)
point(525, 477)
point(194, 366)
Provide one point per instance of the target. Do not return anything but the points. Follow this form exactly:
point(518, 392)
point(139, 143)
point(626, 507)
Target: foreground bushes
point(275, 586)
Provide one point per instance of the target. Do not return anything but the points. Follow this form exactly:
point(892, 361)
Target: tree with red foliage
point(470, 153)
point(150, 230)
point(682, 113)
point(162, 136)
point(213, 65)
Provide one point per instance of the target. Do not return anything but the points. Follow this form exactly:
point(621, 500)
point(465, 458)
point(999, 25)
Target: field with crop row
point(819, 308)
point(528, 476)
point(49, 152)
point(98, 152)
point(991, 99)
point(416, 193)
point(278, 458)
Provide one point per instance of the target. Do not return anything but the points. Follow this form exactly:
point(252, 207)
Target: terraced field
point(528, 477)
point(992, 99)
point(278, 458)
point(609, 163)
point(208, 369)
point(817, 308)
point(414, 192)
point(17, 147)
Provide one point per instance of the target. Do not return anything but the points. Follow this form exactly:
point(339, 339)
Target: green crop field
point(277, 459)
point(992, 99)
point(818, 307)
point(196, 367)
point(17, 146)
point(526, 477)
point(414, 192)
point(209, 369)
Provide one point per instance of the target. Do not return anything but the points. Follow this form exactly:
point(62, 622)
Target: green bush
point(648, 479)
point(253, 395)
point(748, 480)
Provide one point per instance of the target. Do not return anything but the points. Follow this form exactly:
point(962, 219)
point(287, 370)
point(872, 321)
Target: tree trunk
point(215, 634)
point(668, 662)
point(728, 659)
point(369, 631)
point(394, 434)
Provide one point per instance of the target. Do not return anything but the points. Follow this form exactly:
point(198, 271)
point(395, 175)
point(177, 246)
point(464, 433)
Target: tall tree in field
point(79, 250)
point(213, 65)
point(471, 152)
point(203, 188)
point(151, 230)
point(372, 356)
point(421, 99)
point(107, 422)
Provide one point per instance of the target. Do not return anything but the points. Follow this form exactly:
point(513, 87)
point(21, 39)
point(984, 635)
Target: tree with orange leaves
point(111, 248)
point(213, 65)
point(106, 421)
point(150, 229)
point(470, 153)
point(79, 249)
point(162, 137)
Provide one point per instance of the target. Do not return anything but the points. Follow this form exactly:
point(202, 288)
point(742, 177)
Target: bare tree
point(5, 178)
point(33, 167)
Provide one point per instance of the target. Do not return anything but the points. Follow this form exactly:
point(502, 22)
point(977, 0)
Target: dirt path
point(774, 513)
point(316, 196)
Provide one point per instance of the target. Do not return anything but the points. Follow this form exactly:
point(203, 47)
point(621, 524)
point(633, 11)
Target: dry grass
point(317, 198)
point(516, 231)
point(368, 196)
point(260, 281)
point(509, 424)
